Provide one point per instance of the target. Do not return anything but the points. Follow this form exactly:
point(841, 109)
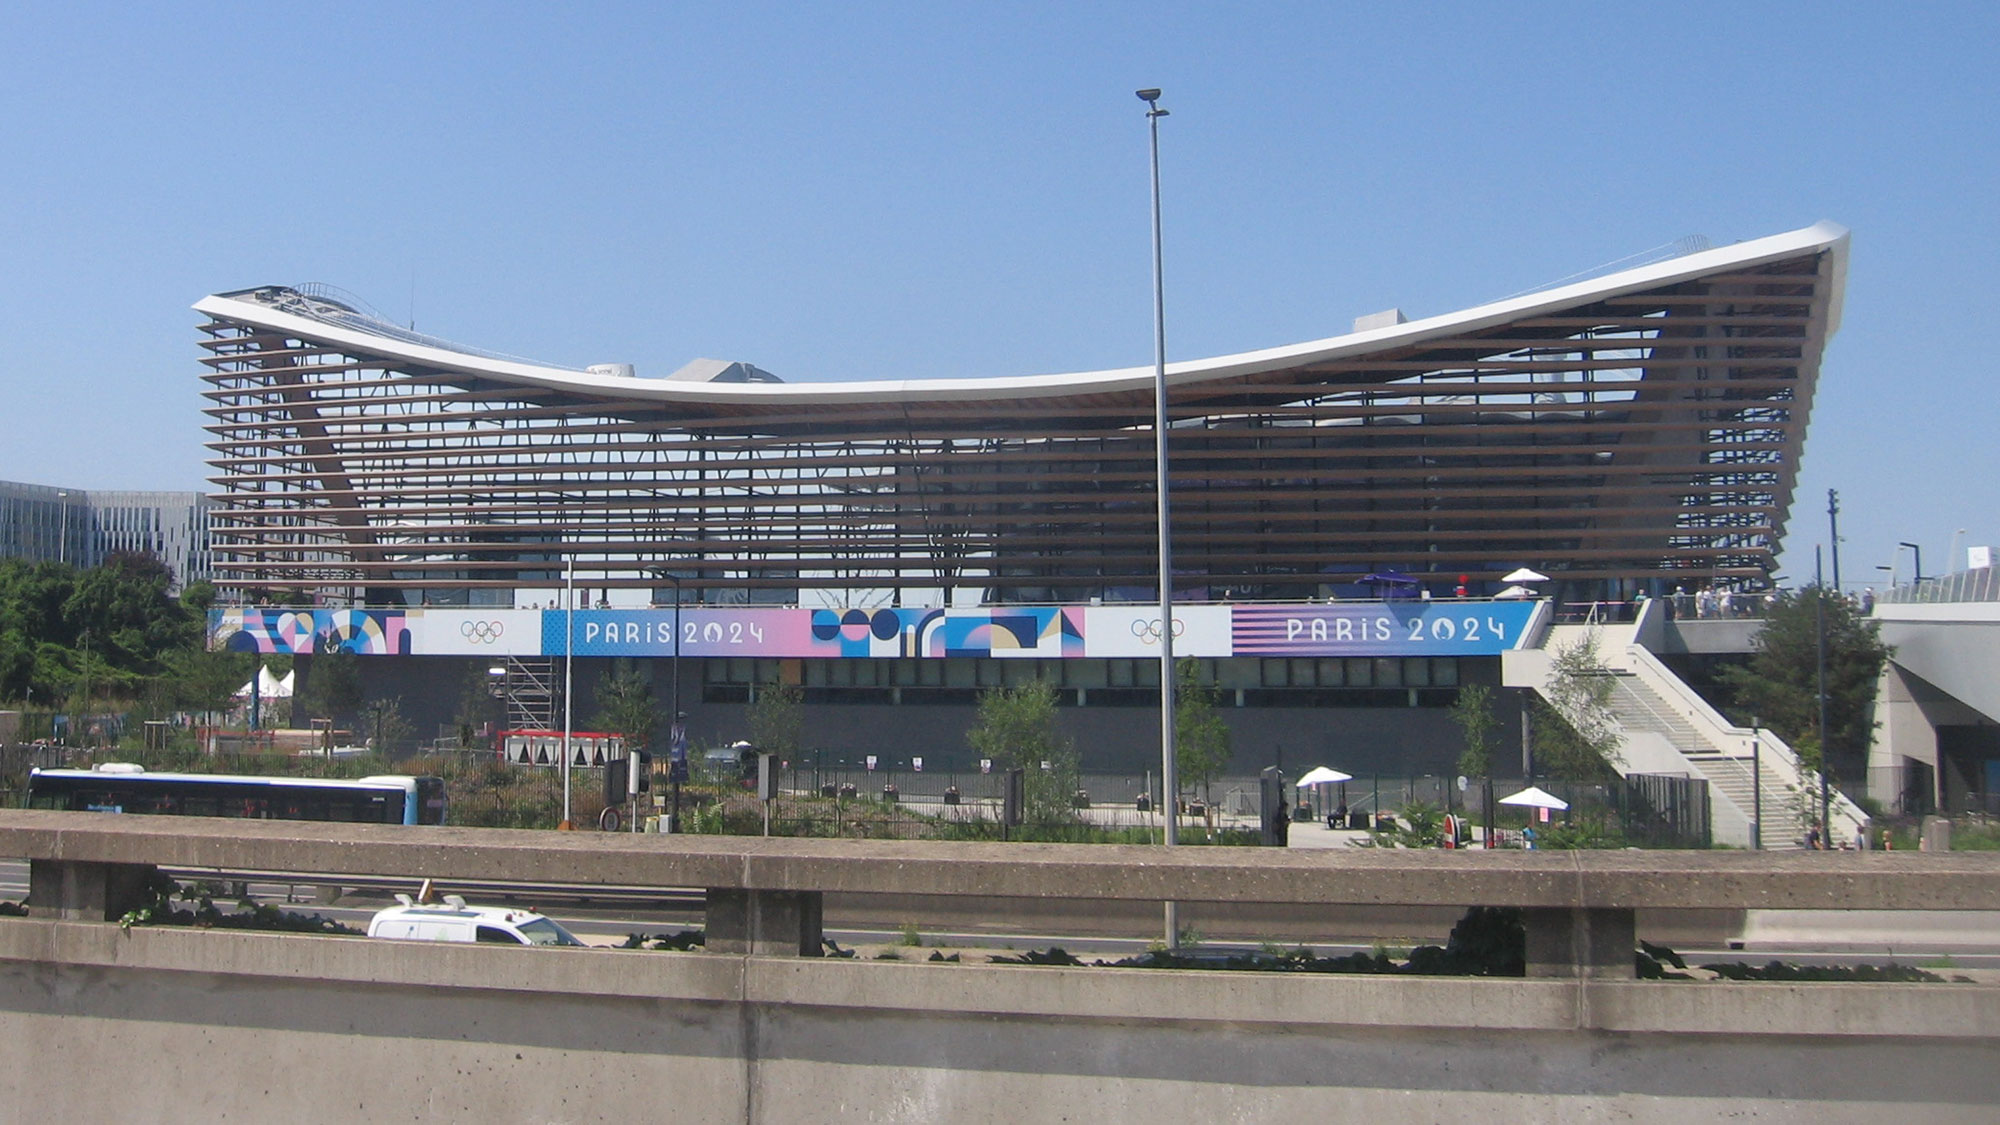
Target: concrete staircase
point(1731, 776)
point(1781, 805)
point(1669, 729)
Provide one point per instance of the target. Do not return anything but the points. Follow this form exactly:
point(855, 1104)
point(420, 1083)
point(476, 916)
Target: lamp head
point(1149, 96)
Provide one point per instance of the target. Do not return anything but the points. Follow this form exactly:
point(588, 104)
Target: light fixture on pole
point(1169, 783)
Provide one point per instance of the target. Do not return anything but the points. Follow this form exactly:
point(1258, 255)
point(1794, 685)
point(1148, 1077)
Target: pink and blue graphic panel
point(1388, 628)
point(367, 632)
point(1031, 631)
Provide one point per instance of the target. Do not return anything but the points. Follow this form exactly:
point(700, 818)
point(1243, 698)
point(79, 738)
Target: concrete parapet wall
point(211, 1025)
point(102, 1023)
point(1356, 876)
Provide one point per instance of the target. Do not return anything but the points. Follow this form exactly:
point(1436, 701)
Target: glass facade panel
point(1277, 673)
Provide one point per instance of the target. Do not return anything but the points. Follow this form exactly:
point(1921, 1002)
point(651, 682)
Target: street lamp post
point(62, 541)
point(1819, 635)
point(1169, 783)
point(677, 733)
point(569, 663)
point(1919, 579)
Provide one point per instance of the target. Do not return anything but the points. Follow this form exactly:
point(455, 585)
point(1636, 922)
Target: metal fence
point(1981, 585)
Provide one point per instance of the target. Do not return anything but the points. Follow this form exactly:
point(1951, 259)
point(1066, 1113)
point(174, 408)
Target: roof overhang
point(1825, 237)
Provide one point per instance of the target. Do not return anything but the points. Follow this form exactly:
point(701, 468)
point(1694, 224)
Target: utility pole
point(1756, 785)
point(1169, 784)
point(1819, 630)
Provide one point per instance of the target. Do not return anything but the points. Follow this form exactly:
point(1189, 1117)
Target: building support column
point(74, 891)
point(1594, 944)
point(764, 923)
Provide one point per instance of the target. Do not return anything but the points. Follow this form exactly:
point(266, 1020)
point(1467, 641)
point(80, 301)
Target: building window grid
point(1303, 674)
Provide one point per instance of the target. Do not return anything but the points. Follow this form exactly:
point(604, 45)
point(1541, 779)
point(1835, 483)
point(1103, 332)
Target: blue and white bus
point(122, 788)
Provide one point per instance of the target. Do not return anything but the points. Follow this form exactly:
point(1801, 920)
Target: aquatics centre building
point(901, 543)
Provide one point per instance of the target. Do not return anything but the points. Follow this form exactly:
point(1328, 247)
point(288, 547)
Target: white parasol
point(1525, 575)
point(1321, 775)
point(1535, 799)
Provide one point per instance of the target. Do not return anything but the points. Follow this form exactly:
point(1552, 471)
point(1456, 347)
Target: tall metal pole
point(569, 661)
point(1169, 782)
point(1833, 532)
point(1819, 629)
point(1756, 785)
point(62, 542)
point(677, 734)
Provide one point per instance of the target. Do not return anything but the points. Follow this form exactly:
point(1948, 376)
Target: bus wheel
point(608, 819)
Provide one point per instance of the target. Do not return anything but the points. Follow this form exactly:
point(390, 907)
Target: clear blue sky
point(855, 191)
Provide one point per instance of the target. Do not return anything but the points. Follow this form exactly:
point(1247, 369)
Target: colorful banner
point(475, 632)
point(1134, 630)
point(368, 632)
point(1388, 628)
point(1028, 631)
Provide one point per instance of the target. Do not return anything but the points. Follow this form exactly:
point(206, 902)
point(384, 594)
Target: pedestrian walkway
point(1318, 835)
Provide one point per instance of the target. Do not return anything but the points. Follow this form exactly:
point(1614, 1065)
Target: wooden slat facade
point(1646, 436)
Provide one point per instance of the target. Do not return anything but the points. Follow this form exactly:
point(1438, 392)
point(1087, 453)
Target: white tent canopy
point(1515, 592)
point(268, 686)
point(1525, 575)
point(1321, 775)
point(1535, 798)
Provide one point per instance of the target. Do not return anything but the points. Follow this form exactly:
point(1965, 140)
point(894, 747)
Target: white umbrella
point(1515, 592)
point(1525, 575)
point(1320, 775)
point(1535, 799)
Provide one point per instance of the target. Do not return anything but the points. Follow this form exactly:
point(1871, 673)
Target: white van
point(453, 920)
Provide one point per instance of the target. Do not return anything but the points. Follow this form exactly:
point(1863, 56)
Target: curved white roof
point(1823, 236)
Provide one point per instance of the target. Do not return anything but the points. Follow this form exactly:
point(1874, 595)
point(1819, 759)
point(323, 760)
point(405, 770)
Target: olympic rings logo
point(1149, 630)
point(481, 632)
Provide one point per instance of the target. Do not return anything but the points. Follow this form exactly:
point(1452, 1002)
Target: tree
point(778, 719)
point(1473, 712)
point(1779, 687)
point(332, 686)
point(1201, 737)
point(477, 703)
point(1016, 727)
point(199, 680)
point(383, 720)
point(111, 630)
point(625, 705)
point(1575, 735)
